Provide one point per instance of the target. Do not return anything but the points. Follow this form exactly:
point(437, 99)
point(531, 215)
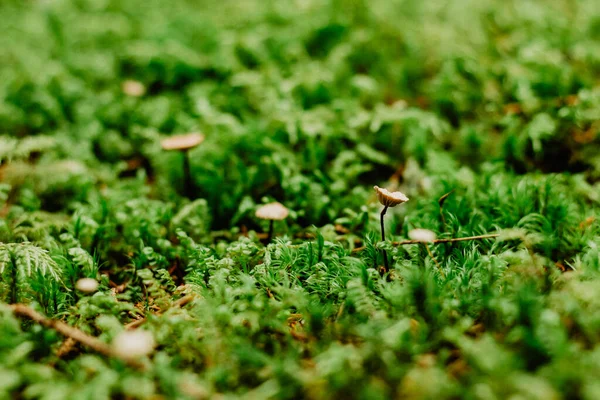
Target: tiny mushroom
point(87, 285)
point(272, 212)
point(422, 235)
point(387, 199)
point(133, 88)
point(183, 144)
point(131, 344)
point(390, 199)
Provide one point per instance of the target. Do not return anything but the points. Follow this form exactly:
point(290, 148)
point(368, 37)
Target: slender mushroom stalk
point(183, 144)
point(188, 185)
point(385, 258)
point(270, 235)
point(387, 199)
point(272, 212)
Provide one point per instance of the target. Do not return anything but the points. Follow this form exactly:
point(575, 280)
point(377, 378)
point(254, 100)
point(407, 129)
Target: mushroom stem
point(271, 222)
point(183, 144)
point(385, 259)
point(188, 186)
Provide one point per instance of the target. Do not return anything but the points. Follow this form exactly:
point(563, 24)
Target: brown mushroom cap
point(182, 142)
point(272, 211)
point(390, 199)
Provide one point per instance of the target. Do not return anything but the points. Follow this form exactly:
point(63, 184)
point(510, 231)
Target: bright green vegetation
point(309, 103)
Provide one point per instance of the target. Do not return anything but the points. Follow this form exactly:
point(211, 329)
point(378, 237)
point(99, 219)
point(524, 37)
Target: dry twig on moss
point(93, 343)
point(436, 241)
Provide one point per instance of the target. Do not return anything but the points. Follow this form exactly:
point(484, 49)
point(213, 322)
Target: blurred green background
point(303, 101)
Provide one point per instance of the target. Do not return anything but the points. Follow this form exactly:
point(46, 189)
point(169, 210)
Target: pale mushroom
point(272, 212)
point(133, 88)
point(387, 199)
point(183, 144)
point(87, 285)
point(390, 199)
point(132, 344)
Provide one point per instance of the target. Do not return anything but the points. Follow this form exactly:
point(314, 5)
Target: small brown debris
point(476, 330)
point(512, 108)
point(414, 326)
point(426, 360)
point(458, 368)
point(584, 136)
point(341, 229)
point(571, 100)
point(560, 266)
point(587, 222)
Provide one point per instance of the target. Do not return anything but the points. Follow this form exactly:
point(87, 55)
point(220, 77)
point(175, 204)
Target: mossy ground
point(309, 103)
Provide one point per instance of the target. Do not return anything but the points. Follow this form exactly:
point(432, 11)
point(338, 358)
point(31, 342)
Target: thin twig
point(436, 241)
point(93, 343)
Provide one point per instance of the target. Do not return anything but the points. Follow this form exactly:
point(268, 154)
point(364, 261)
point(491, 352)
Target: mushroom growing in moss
point(183, 144)
point(272, 212)
point(133, 88)
point(387, 199)
point(87, 285)
point(133, 344)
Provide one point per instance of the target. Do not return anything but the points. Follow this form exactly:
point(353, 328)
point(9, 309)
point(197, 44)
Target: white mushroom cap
point(87, 285)
point(136, 343)
point(390, 199)
point(422, 235)
point(273, 211)
point(133, 88)
point(182, 142)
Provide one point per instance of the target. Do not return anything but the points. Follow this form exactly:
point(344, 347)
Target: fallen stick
point(93, 343)
point(436, 241)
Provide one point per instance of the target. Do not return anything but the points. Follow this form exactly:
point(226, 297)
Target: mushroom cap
point(390, 199)
point(133, 88)
point(87, 285)
point(182, 142)
point(273, 211)
point(136, 343)
point(422, 235)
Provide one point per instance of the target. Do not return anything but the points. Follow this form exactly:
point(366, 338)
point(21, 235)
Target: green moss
point(310, 104)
